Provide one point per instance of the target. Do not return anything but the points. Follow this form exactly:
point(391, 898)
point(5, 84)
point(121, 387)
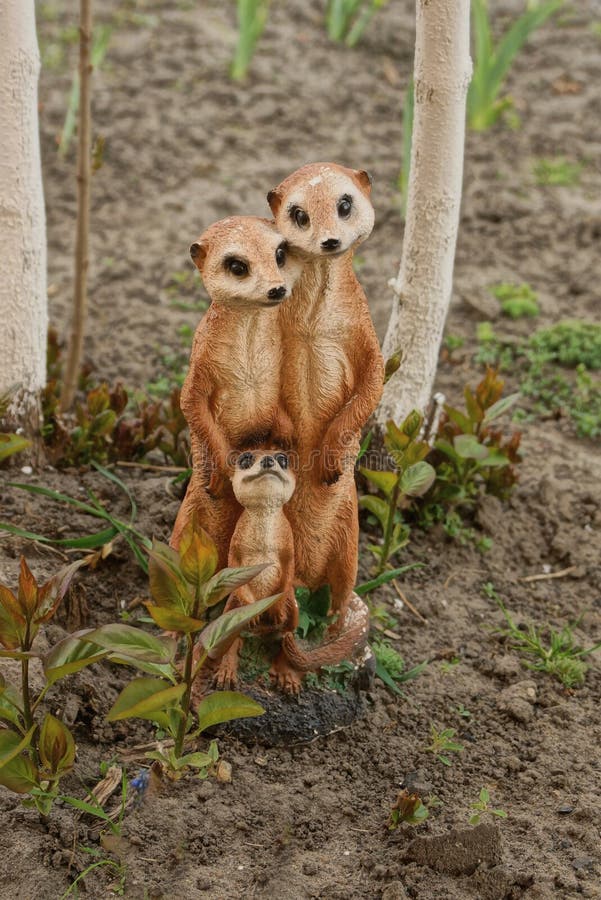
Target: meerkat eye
point(299, 216)
point(280, 255)
point(282, 460)
point(246, 460)
point(237, 267)
point(344, 206)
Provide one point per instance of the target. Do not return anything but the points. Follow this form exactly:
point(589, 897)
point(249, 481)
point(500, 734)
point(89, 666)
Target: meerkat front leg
point(226, 676)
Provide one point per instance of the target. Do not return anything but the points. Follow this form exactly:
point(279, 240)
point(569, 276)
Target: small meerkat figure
point(262, 483)
point(332, 367)
point(231, 395)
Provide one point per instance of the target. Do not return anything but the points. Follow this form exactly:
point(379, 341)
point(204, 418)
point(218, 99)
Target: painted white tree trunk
point(422, 289)
point(23, 298)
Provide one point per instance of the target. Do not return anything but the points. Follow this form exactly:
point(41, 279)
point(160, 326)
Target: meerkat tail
point(330, 653)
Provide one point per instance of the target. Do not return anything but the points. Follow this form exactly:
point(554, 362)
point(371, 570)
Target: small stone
point(565, 809)
point(310, 868)
point(204, 884)
point(518, 700)
point(583, 863)
point(57, 859)
point(394, 891)
point(261, 760)
point(26, 470)
point(224, 771)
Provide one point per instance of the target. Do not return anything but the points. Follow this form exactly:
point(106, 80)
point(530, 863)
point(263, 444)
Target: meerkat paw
point(226, 676)
point(285, 678)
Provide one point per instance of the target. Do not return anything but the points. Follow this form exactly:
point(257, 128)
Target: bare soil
point(184, 147)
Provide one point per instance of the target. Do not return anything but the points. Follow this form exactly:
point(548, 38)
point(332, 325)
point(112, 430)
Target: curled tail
point(344, 646)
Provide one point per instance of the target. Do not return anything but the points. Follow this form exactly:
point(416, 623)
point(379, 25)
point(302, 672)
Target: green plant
point(492, 62)
point(453, 342)
point(559, 656)
point(390, 666)
point(10, 443)
point(184, 586)
point(569, 343)
point(252, 18)
point(35, 752)
point(412, 477)
point(493, 350)
point(313, 608)
point(100, 42)
point(472, 455)
point(100, 541)
point(443, 743)
point(559, 172)
point(407, 808)
point(346, 20)
point(481, 807)
point(517, 300)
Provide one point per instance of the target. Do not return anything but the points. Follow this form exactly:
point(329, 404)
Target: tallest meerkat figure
point(333, 371)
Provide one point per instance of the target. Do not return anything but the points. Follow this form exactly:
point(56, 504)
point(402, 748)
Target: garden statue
point(285, 371)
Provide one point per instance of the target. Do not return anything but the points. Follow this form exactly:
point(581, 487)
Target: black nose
point(268, 462)
point(330, 244)
point(277, 293)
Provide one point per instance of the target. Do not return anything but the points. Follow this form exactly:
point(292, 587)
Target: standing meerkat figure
point(332, 367)
point(231, 395)
point(262, 483)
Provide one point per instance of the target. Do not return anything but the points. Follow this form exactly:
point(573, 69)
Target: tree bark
point(422, 288)
point(80, 298)
point(23, 295)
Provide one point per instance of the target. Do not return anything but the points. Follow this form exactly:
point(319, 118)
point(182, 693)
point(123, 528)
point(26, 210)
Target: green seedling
point(390, 666)
point(443, 743)
point(409, 809)
point(346, 20)
point(101, 541)
point(10, 443)
point(117, 888)
point(559, 655)
point(449, 665)
point(569, 343)
point(492, 62)
point(36, 751)
point(463, 712)
point(474, 456)
point(559, 172)
point(184, 586)
point(453, 342)
point(493, 350)
point(518, 301)
point(100, 42)
point(411, 478)
point(313, 609)
point(482, 807)
point(252, 18)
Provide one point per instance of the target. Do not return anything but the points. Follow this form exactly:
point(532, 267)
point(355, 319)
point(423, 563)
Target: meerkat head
point(244, 263)
point(323, 209)
point(263, 479)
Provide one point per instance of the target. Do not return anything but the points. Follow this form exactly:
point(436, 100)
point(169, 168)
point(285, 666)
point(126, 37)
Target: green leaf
point(51, 593)
point(227, 580)
point(19, 775)
point(12, 744)
point(459, 419)
point(168, 587)
point(134, 643)
point(500, 407)
point(174, 620)
point(143, 698)
point(495, 459)
point(467, 446)
point(385, 676)
point(384, 481)
point(89, 808)
point(417, 479)
point(197, 760)
point(367, 586)
point(12, 622)
point(11, 444)
point(56, 745)
point(412, 424)
point(378, 507)
point(70, 655)
point(223, 706)
point(9, 706)
point(90, 542)
point(222, 630)
point(198, 554)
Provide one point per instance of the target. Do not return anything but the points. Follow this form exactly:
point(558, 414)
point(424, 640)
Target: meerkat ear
point(198, 252)
point(274, 198)
point(364, 179)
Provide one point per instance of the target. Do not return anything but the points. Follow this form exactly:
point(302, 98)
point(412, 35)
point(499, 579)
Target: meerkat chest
point(247, 388)
point(317, 368)
point(262, 538)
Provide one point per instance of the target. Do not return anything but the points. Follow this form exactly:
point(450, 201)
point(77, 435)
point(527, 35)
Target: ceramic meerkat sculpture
point(332, 367)
point(231, 395)
point(262, 483)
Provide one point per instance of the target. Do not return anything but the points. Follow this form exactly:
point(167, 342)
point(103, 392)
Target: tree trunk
point(23, 297)
point(422, 289)
point(80, 294)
